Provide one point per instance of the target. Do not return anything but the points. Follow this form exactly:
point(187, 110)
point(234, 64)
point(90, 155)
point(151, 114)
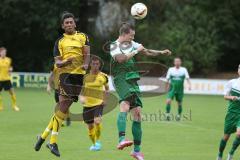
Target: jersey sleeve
point(114, 50)
point(168, 74)
point(186, 73)
point(227, 88)
point(56, 49)
point(87, 43)
point(136, 45)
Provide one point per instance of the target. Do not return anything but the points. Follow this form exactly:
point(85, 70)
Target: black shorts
point(70, 85)
point(56, 95)
point(89, 113)
point(6, 85)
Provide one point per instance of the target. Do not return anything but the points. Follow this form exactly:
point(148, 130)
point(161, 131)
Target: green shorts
point(128, 90)
point(178, 95)
point(232, 122)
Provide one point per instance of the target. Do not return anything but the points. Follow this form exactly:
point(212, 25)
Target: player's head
point(127, 32)
point(68, 23)
point(3, 52)
point(177, 62)
point(95, 64)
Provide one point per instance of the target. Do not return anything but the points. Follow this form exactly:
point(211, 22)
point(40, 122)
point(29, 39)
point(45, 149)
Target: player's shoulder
point(103, 75)
point(81, 34)
point(233, 81)
point(171, 68)
point(60, 38)
point(183, 68)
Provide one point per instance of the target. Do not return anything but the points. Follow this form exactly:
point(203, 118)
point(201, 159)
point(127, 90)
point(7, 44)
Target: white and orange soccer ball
point(139, 10)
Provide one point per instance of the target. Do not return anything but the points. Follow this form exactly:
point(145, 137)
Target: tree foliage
point(204, 33)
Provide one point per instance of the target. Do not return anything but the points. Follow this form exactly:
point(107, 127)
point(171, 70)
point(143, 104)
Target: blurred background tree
point(204, 33)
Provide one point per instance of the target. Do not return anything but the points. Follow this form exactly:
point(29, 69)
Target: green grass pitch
point(193, 139)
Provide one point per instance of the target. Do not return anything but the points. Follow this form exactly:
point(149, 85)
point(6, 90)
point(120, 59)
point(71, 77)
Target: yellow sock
point(91, 134)
point(98, 129)
point(14, 100)
point(48, 129)
point(58, 119)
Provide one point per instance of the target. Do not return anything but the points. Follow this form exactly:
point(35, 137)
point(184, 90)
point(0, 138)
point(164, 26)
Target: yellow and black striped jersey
point(5, 65)
point(94, 88)
point(71, 46)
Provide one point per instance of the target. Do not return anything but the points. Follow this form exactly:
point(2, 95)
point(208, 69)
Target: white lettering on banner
point(205, 86)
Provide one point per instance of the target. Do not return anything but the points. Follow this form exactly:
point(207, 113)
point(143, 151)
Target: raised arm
point(86, 54)
point(151, 52)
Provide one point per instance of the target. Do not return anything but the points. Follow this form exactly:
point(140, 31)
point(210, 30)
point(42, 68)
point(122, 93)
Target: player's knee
point(97, 120)
point(226, 137)
point(124, 106)
point(90, 126)
point(137, 114)
point(168, 101)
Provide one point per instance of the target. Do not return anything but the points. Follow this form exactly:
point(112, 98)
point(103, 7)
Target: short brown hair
point(125, 28)
point(66, 15)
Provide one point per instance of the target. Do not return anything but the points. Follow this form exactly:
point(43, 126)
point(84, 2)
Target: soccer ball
point(139, 10)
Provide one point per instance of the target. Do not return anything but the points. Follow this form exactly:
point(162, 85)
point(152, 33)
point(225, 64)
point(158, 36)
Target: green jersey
point(128, 68)
point(232, 88)
point(125, 75)
point(176, 76)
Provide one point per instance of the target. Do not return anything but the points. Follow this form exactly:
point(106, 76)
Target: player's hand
point(166, 52)
point(189, 88)
point(82, 99)
point(84, 67)
point(235, 98)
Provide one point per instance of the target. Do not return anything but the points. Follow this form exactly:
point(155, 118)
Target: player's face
point(130, 36)
point(95, 65)
point(239, 70)
point(69, 25)
point(177, 62)
point(3, 53)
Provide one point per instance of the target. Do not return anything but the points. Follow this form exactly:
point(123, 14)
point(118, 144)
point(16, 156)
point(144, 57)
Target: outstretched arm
point(151, 52)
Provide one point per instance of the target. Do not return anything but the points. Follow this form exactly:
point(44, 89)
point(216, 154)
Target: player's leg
point(222, 145)
point(70, 88)
point(179, 99)
point(44, 135)
point(121, 124)
point(8, 87)
point(98, 124)
point(170, 96)
point(236, 141)
point(229, 128)
point(168, 108)
point(58, 118)
point(137, 131)
point(88, 117)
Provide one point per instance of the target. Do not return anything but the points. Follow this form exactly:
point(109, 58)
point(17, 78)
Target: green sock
point(121, 124)
point(180, 109)
point(235, 145)
point(168, 108)
point(222, 147)
point(137, 135)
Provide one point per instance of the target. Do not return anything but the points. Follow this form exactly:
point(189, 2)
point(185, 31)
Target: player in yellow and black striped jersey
point(5, 78)
point(93, 97)
point(71, 54)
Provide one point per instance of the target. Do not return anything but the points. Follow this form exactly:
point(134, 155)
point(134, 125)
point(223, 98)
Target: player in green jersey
point(175, 78)
point(232, 119)
point(125, 77)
